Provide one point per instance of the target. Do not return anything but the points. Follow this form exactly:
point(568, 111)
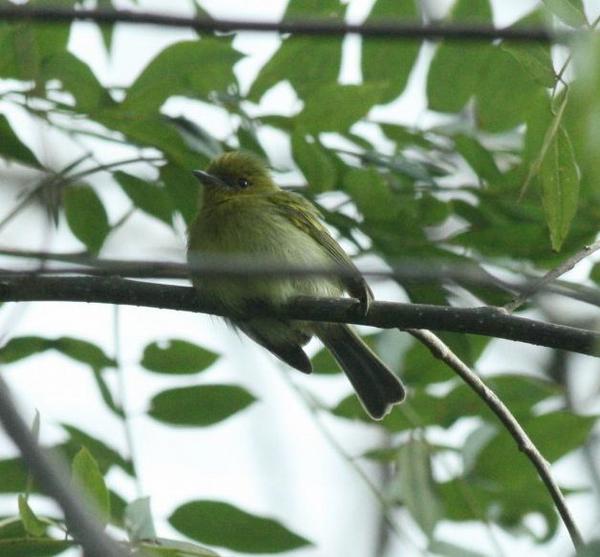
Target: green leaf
point(519, 392)
point(106, 29)
point(324, 363)
point(314, 162)
point(77, 349)
point(84, 352)
point(555, 434)
point(447, 549)
point(117, 510)
point(582, 113)
point(163, 547)
point(86, 216)
point(106, 393)
point(42, 547)
point(390, 61)
point(404, 136)
point(248, 138)
point(77, 78)
point(152, 130)
point(570, 12)
point(199, 405)
point(35, 434)
point(559, 181)
point(222, 524)
point(471, 11)
point(558, 433)
point(12, 527)
point(479, 158)
point(336, 107)
point(328, 9)
point(13, 476)
point(308, 63)
point(415, 487)
point(372, 196)
point(196, 137)
point(25, 46)
point(104, 455)
point(148, 197)
point(138, 520)
point(32, 524)
point(190, 68)
point(594, 275)
point(535, 60)
point(509, 494)
point(177, 356)
point(87, 476)
point(12, 148)
point(505, 92)
point(445, 92)
point(182, 187)
point(19, 348)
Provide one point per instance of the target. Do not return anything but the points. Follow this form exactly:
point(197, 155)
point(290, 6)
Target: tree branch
point(54, 478)
point(551, 276)
point(386, 315)
point(313, 27)
point(525, 444)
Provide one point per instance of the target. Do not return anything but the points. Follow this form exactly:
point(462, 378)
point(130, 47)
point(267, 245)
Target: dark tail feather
point(377, 387)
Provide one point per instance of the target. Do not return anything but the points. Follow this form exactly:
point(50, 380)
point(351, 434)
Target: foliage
point(507, 182)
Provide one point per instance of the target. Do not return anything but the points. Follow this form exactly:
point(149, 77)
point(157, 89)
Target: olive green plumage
point(243, 212)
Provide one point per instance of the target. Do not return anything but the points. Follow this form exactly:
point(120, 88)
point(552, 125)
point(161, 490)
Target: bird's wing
point(307, 217)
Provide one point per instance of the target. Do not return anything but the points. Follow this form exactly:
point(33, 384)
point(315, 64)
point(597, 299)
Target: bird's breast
point(263, 235)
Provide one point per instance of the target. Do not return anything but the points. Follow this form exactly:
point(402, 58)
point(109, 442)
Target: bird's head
point(235, 173)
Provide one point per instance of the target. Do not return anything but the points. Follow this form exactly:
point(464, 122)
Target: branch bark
point(312, 27)
point(386, 315)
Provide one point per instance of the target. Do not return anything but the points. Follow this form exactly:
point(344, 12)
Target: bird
point(242, 212)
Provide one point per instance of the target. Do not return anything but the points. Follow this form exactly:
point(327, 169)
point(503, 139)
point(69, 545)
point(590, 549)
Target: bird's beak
point(209, 180)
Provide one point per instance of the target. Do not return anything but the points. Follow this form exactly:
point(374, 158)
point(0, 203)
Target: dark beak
point(209, 180)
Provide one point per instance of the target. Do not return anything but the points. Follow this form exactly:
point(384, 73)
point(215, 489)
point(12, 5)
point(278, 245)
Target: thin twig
point(232, 267)
point(524, 443)
point(122, 390)
point(312, 27)
point(551, 275)
point(110, 165)
point(313, 409)
point(385, 315)
point(60, 180)
point(52, 476)
point(244, 266)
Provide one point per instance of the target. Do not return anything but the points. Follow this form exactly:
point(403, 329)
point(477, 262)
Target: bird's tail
point(377, 387)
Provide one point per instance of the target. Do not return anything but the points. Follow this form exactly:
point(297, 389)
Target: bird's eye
point(243, 183)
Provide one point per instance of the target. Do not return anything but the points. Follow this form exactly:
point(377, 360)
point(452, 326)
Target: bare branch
point(53, 477)
point(524, 443)
point(551, 276)
point(386, 315)
point(313, 27)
